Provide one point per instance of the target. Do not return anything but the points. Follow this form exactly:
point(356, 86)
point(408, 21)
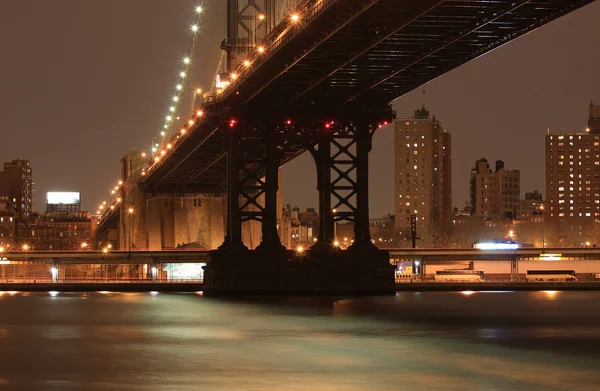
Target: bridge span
point(320, 81)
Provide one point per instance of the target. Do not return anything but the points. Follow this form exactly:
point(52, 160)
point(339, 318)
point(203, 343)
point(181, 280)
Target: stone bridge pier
point(148, 221)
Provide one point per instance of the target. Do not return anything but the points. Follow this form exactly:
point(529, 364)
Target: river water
point(411, 341)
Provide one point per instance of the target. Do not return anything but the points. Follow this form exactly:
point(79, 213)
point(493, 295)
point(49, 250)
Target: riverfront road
point(203, 255)
point(109, 257)
point(118, 286)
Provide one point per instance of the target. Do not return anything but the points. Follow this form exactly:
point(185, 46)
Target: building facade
point(422, 176)
point(573, 176)
point(16, 185)
point(53, 232)
point(494, 195)
point(8, 223)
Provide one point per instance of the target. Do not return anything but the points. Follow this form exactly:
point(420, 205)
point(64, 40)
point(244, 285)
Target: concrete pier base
point(306, 273)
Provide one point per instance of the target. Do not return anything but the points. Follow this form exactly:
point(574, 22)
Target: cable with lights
point(180, 87)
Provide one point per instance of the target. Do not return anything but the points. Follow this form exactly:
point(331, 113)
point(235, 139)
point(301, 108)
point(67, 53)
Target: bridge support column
point(323, 162)
point(362, 236)
point(270, 236)
point(233, 239)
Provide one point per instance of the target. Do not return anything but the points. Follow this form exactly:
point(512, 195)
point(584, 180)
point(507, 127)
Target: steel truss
point(340, 149)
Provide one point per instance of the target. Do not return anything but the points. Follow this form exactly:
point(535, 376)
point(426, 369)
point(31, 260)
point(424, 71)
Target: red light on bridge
point(232, 123)
point(288, 122)
point(327, 126)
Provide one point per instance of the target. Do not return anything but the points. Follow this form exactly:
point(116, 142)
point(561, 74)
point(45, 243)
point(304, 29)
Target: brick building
point(573, 173)
point(495, 194)
point(58, 232)
point(422, 176)
point(16, 186)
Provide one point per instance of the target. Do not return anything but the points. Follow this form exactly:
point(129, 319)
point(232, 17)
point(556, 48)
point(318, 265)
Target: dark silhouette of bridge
point(322, 80)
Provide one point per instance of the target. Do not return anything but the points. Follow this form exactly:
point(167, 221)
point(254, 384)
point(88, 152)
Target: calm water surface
point(413, 341)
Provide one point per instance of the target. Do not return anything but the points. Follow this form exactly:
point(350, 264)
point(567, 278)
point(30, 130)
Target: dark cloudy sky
point(82, 82)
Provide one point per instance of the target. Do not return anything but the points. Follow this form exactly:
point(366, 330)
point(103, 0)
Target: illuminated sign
point(63, 198)
point(550, 257)
point(497, 246)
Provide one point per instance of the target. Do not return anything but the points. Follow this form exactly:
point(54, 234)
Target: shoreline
point(198, 287)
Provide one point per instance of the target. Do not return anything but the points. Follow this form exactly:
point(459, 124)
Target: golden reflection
point(467, 293)
point(551, 294)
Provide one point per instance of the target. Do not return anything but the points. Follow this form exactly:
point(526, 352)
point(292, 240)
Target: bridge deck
point(345, 55)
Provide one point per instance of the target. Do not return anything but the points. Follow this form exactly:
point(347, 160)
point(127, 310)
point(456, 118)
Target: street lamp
point(84, 245)
point(334, 225)
point(25, 247)
point(543, 227)
point(130, 226)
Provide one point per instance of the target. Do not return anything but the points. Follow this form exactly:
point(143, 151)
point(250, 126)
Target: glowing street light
point(295, 17)
point(25, 247)
point(300, 249)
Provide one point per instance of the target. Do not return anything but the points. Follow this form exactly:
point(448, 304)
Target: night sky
point(82, 82)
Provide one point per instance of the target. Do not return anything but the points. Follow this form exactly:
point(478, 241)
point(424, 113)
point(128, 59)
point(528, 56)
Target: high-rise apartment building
point(16, 185)
point(495, 194)
point(423, 179)
point(594, 118)
point(573, 173)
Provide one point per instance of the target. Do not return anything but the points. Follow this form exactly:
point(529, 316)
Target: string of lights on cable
point(183, 73)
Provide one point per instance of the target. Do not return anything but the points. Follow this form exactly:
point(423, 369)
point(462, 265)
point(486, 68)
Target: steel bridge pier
point(340, 150)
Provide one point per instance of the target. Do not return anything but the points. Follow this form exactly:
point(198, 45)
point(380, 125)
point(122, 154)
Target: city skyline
point(543, 80)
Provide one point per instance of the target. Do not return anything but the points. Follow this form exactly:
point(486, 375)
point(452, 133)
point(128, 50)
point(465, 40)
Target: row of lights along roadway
point(179, 87)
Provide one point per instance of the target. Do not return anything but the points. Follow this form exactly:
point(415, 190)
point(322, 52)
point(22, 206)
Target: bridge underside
point(362, 53)
point(324, 84)
point(344, 56)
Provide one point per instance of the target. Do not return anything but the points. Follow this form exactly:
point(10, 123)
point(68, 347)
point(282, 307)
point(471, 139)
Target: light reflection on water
point(413, 341)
